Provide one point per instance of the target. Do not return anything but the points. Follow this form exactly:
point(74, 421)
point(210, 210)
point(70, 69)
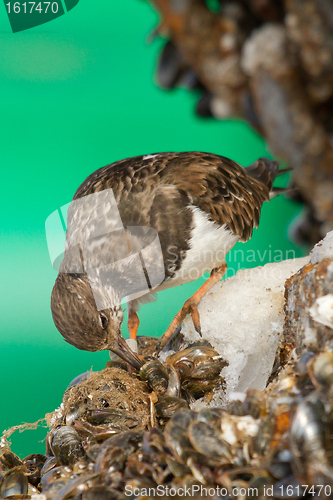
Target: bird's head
point(76, 317)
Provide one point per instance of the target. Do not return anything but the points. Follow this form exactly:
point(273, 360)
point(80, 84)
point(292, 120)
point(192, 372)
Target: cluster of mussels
point(122, 435)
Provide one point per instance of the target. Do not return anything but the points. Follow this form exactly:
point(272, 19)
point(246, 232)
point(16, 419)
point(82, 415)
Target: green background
point(76, 94)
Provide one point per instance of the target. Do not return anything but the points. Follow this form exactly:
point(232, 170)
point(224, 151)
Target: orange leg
point(133, 323)
point(191, 306)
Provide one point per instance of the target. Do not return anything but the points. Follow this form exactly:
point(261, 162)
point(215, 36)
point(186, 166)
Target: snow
point(323, 249)
point(243, 319)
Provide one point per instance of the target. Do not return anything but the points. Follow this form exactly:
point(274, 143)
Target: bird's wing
point(221, 188)
point(155, 190)
point(144, 199)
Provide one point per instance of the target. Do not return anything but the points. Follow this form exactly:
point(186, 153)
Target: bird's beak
point(121, 348)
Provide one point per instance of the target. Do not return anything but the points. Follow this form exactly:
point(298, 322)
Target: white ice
point(243, 319)
point(323, 249)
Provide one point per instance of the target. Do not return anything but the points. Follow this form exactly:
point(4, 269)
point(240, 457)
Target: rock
point(243, 319)
point(322, 310)
point(309, 302)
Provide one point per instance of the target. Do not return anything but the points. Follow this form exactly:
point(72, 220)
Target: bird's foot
point(190, 307)
point(133, 324)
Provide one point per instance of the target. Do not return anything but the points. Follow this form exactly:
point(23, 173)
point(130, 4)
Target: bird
point(199, 204)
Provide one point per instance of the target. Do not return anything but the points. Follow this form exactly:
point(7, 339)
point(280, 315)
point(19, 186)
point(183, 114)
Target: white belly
point(209, 245)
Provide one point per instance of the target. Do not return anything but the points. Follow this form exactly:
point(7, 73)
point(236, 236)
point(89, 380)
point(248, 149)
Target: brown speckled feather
point(65, 315)
point(155, 190)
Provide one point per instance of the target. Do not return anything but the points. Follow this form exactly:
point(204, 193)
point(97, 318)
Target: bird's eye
point(103, 320)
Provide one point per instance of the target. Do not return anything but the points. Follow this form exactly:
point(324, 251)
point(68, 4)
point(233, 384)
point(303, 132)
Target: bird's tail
point(266, 171)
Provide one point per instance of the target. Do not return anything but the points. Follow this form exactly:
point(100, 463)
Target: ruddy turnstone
point(200, 204)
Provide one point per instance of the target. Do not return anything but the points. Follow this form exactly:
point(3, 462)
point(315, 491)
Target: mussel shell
point(49, 464)
point(34, 463)
point(198, 388)
point(175, 342)
point(176, 468)
point(235, 407)
point(182, 419)
point(153, 441)
point(295, 489)
point(264, 435)
point(167, 406)
point(170, 66)
point(100, 493)
point(75, 487)
point(120, 418)
point(146, 345)
point(205, 439)
point(9, 460)
point(211, 416)
point(200, 470)
point(260, 483)
point(176, 434)
point(14, 482)
point(199, 361)
point(33, 490)
point(67, 446)
point(97, 432)
point(280, 464)
point(301, 366)
point(114, 451)
point(322, 369)
point(209, 370)
point(48, 447)
point(118, 363)
point(139, 464)
point(174, 384)
point(93, 451)
point(56, 474)
point(75, 413)
point(52, 489)
point(308, 431)
point(253, 403)
point(155, 374)
point(80, 378)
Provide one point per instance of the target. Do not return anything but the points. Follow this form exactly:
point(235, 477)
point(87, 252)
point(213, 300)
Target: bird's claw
point(190, 307)
point(196, 318)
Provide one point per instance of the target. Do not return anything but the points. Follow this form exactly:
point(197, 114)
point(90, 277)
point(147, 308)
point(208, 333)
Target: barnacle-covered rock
point(269, 62)
point(308, 306)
